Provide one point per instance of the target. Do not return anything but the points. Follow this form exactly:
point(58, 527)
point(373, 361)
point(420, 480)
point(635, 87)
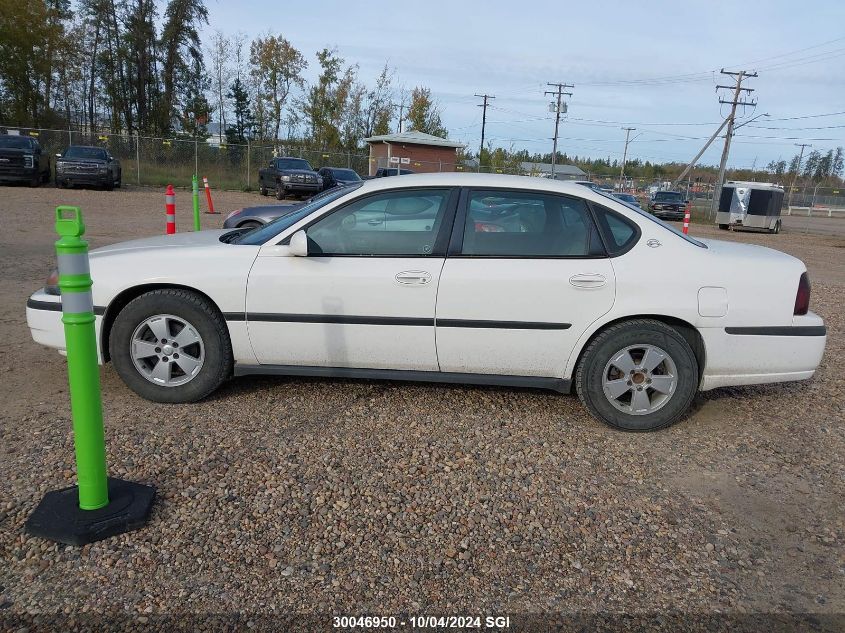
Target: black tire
point(280, 192)
point(35, 181)
point(205, 319)
point(250, 224)
point(776, 230)
point(724, 227)
point(60, 184)
point(119, 181)
point(588, 378)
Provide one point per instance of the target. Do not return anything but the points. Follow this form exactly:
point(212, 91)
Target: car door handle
point(588, 280)
point(413, 277)
point(374, 222)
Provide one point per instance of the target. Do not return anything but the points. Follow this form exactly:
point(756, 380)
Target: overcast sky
point(645, 67)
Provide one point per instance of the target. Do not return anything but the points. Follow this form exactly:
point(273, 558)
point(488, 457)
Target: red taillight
point(802, 297)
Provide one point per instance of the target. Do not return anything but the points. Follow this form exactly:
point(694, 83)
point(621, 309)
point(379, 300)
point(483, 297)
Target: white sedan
point(463, 278)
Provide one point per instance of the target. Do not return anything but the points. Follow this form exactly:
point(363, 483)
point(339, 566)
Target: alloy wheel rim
point(167, 350)
point(640, 379)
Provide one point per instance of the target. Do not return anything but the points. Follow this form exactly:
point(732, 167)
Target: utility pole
point(558, 94)
point(483, 123)
point(628, 131)
point(797, 171)
point(737, 88)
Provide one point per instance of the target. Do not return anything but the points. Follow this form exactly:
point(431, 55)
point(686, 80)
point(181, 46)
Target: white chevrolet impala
point(463, 278)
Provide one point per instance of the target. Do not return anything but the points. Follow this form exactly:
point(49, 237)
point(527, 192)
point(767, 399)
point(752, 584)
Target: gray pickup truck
point(85, 165)
point(287, 176)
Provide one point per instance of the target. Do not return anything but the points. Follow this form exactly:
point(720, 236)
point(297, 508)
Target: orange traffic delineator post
point(170, 210)
point(208, 195)
point(687, 213)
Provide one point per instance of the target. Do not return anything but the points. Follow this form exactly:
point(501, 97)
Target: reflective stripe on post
point(170, 210)
point(82, 365)
point(687, 213)
point(208, 195)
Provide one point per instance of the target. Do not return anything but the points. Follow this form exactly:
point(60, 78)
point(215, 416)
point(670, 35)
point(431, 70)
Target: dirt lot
point(293, 495)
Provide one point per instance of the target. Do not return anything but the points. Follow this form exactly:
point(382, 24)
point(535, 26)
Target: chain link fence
point(158, 161)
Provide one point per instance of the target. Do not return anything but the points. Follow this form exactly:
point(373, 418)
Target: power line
point(559, 94)
point(483, 123)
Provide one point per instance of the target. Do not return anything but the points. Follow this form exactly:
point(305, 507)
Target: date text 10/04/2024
point(422, 622)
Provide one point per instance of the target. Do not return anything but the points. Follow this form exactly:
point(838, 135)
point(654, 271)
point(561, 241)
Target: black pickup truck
point(289, 176)
point(22, 160)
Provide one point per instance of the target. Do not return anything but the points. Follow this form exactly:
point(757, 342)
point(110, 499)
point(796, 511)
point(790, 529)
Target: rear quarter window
point(618, 232)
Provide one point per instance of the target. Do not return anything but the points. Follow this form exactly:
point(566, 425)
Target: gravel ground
point(281, 495)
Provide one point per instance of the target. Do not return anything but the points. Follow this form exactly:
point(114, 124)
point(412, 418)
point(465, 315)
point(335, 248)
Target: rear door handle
point(588, 280)
point(413, 277)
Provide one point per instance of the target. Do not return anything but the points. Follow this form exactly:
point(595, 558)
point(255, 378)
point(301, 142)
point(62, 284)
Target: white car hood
point(177, 240)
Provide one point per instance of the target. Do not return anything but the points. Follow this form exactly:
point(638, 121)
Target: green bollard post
point(196, 193)
point(98, 507)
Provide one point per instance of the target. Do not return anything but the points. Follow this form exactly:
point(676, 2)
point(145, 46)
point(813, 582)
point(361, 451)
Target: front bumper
point(302, 187)
point(18, 174)
point(669, 214)
point(760, 355)
point(44, 318)
point(73, 178)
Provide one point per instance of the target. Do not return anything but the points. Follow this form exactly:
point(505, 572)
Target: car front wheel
point(171, 346)
point(639, 375)
point(280, 192)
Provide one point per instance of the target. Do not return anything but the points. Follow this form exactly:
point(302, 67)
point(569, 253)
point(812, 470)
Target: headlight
point(233, 214)
point(103, 170)
point(51, 286)
point(319, 180)
point(286, 178)
point(60, 165)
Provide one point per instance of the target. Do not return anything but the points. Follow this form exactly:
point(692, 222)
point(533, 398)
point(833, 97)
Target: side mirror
point(299, 244)
point(270, 164)
point(58, 155)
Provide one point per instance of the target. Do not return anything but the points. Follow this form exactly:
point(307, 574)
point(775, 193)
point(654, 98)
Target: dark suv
point(22, 160)
point(84, 165)
point(667, 205)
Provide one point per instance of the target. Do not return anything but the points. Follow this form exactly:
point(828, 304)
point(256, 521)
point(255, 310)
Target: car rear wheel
point(776, 229)
point(171, 346)
point(639, 375)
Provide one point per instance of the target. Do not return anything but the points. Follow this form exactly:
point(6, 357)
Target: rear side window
point(620, 234)
point(528, 224)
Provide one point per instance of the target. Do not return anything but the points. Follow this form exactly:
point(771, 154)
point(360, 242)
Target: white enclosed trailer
point(750, 205)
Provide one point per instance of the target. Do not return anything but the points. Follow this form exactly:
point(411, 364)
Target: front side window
point(528, 224)
point(400, 223)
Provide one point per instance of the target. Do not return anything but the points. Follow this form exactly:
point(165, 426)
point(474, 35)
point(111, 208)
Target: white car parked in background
point(480, 279)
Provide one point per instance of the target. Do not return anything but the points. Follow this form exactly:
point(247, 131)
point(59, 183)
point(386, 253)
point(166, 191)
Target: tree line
point(140, 66)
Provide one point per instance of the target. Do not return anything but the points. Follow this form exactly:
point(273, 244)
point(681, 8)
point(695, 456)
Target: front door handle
point(588, 280)
point(413, 277)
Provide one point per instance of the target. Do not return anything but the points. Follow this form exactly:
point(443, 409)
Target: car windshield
point(668, 196)
point(258, 236)
point(9, 141)
point(345, 174)
point(292, 163)
point(665, 225)
point(85, 152)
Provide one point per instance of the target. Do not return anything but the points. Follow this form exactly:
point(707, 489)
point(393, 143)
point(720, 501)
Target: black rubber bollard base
point(59, 518)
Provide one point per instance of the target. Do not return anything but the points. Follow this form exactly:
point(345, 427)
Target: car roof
point(493, 181)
